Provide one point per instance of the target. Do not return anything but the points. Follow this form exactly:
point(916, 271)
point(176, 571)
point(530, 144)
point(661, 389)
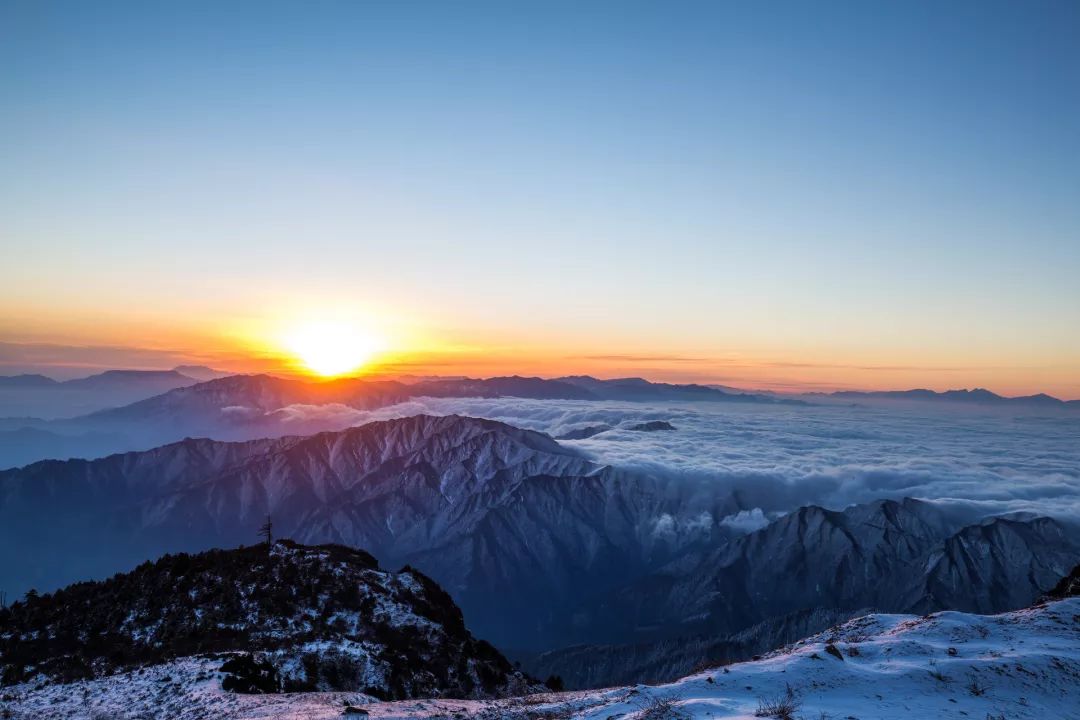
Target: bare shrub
point(661, 708)
point(783, 707)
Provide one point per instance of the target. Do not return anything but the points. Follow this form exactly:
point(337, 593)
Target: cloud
point(768, 460)
point(332, 414)
point(296, 419)
point(65, 362)
point(775, 458)
point(241, 412)
point(640, 358)
point(746, 521)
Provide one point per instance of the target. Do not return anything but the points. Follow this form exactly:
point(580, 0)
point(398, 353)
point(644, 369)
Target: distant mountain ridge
point(202, 373)
point(104, 378)
point(242, 407)
point(635, 389)
point(27, 380)
point(980, 396)
point(41, 396)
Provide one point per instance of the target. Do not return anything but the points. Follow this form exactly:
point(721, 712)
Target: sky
point(794, 196)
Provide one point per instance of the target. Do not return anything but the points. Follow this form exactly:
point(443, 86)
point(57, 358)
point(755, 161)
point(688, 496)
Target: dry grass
point(937, 674)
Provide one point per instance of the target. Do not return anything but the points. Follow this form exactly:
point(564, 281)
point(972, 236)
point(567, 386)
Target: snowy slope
point(1018, 665)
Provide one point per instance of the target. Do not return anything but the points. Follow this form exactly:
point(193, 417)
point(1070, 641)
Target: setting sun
point(330, 348)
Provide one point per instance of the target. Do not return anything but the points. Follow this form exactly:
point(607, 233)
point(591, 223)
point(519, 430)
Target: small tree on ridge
point(267, 531)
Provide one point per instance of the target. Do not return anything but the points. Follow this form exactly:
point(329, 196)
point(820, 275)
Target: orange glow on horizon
point(331, 337)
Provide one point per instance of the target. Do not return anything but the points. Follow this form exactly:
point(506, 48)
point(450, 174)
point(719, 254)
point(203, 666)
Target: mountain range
point(540, 546)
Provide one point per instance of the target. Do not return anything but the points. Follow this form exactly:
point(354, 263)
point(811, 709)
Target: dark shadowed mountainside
point(894, 556)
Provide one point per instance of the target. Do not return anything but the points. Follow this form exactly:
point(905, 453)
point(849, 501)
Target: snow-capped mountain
point(1022, 665)
point(292, 618)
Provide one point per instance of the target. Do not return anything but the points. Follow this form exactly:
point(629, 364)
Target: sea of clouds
point(779, 457)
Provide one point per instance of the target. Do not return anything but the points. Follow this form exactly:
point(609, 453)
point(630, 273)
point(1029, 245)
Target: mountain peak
point(201, 373)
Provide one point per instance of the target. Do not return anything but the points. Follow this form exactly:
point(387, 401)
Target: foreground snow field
point(1023, 664)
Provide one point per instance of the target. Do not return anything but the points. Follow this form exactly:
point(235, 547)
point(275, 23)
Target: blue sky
point(848, 184)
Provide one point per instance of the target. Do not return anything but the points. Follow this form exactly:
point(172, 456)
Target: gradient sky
point(771, 194)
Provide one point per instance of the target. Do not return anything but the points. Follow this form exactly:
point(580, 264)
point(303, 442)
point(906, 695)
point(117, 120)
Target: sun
point(330, 349)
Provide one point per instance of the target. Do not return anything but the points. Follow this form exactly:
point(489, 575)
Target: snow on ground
point(1018, 665)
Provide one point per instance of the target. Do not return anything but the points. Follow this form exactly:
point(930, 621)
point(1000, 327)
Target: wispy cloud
point(640, 358)
point(65, 361)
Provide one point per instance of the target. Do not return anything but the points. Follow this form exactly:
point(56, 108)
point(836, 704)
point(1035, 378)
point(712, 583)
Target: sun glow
point(330, 349)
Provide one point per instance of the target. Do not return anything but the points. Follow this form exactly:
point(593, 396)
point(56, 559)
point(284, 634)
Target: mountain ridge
point(974, 396)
